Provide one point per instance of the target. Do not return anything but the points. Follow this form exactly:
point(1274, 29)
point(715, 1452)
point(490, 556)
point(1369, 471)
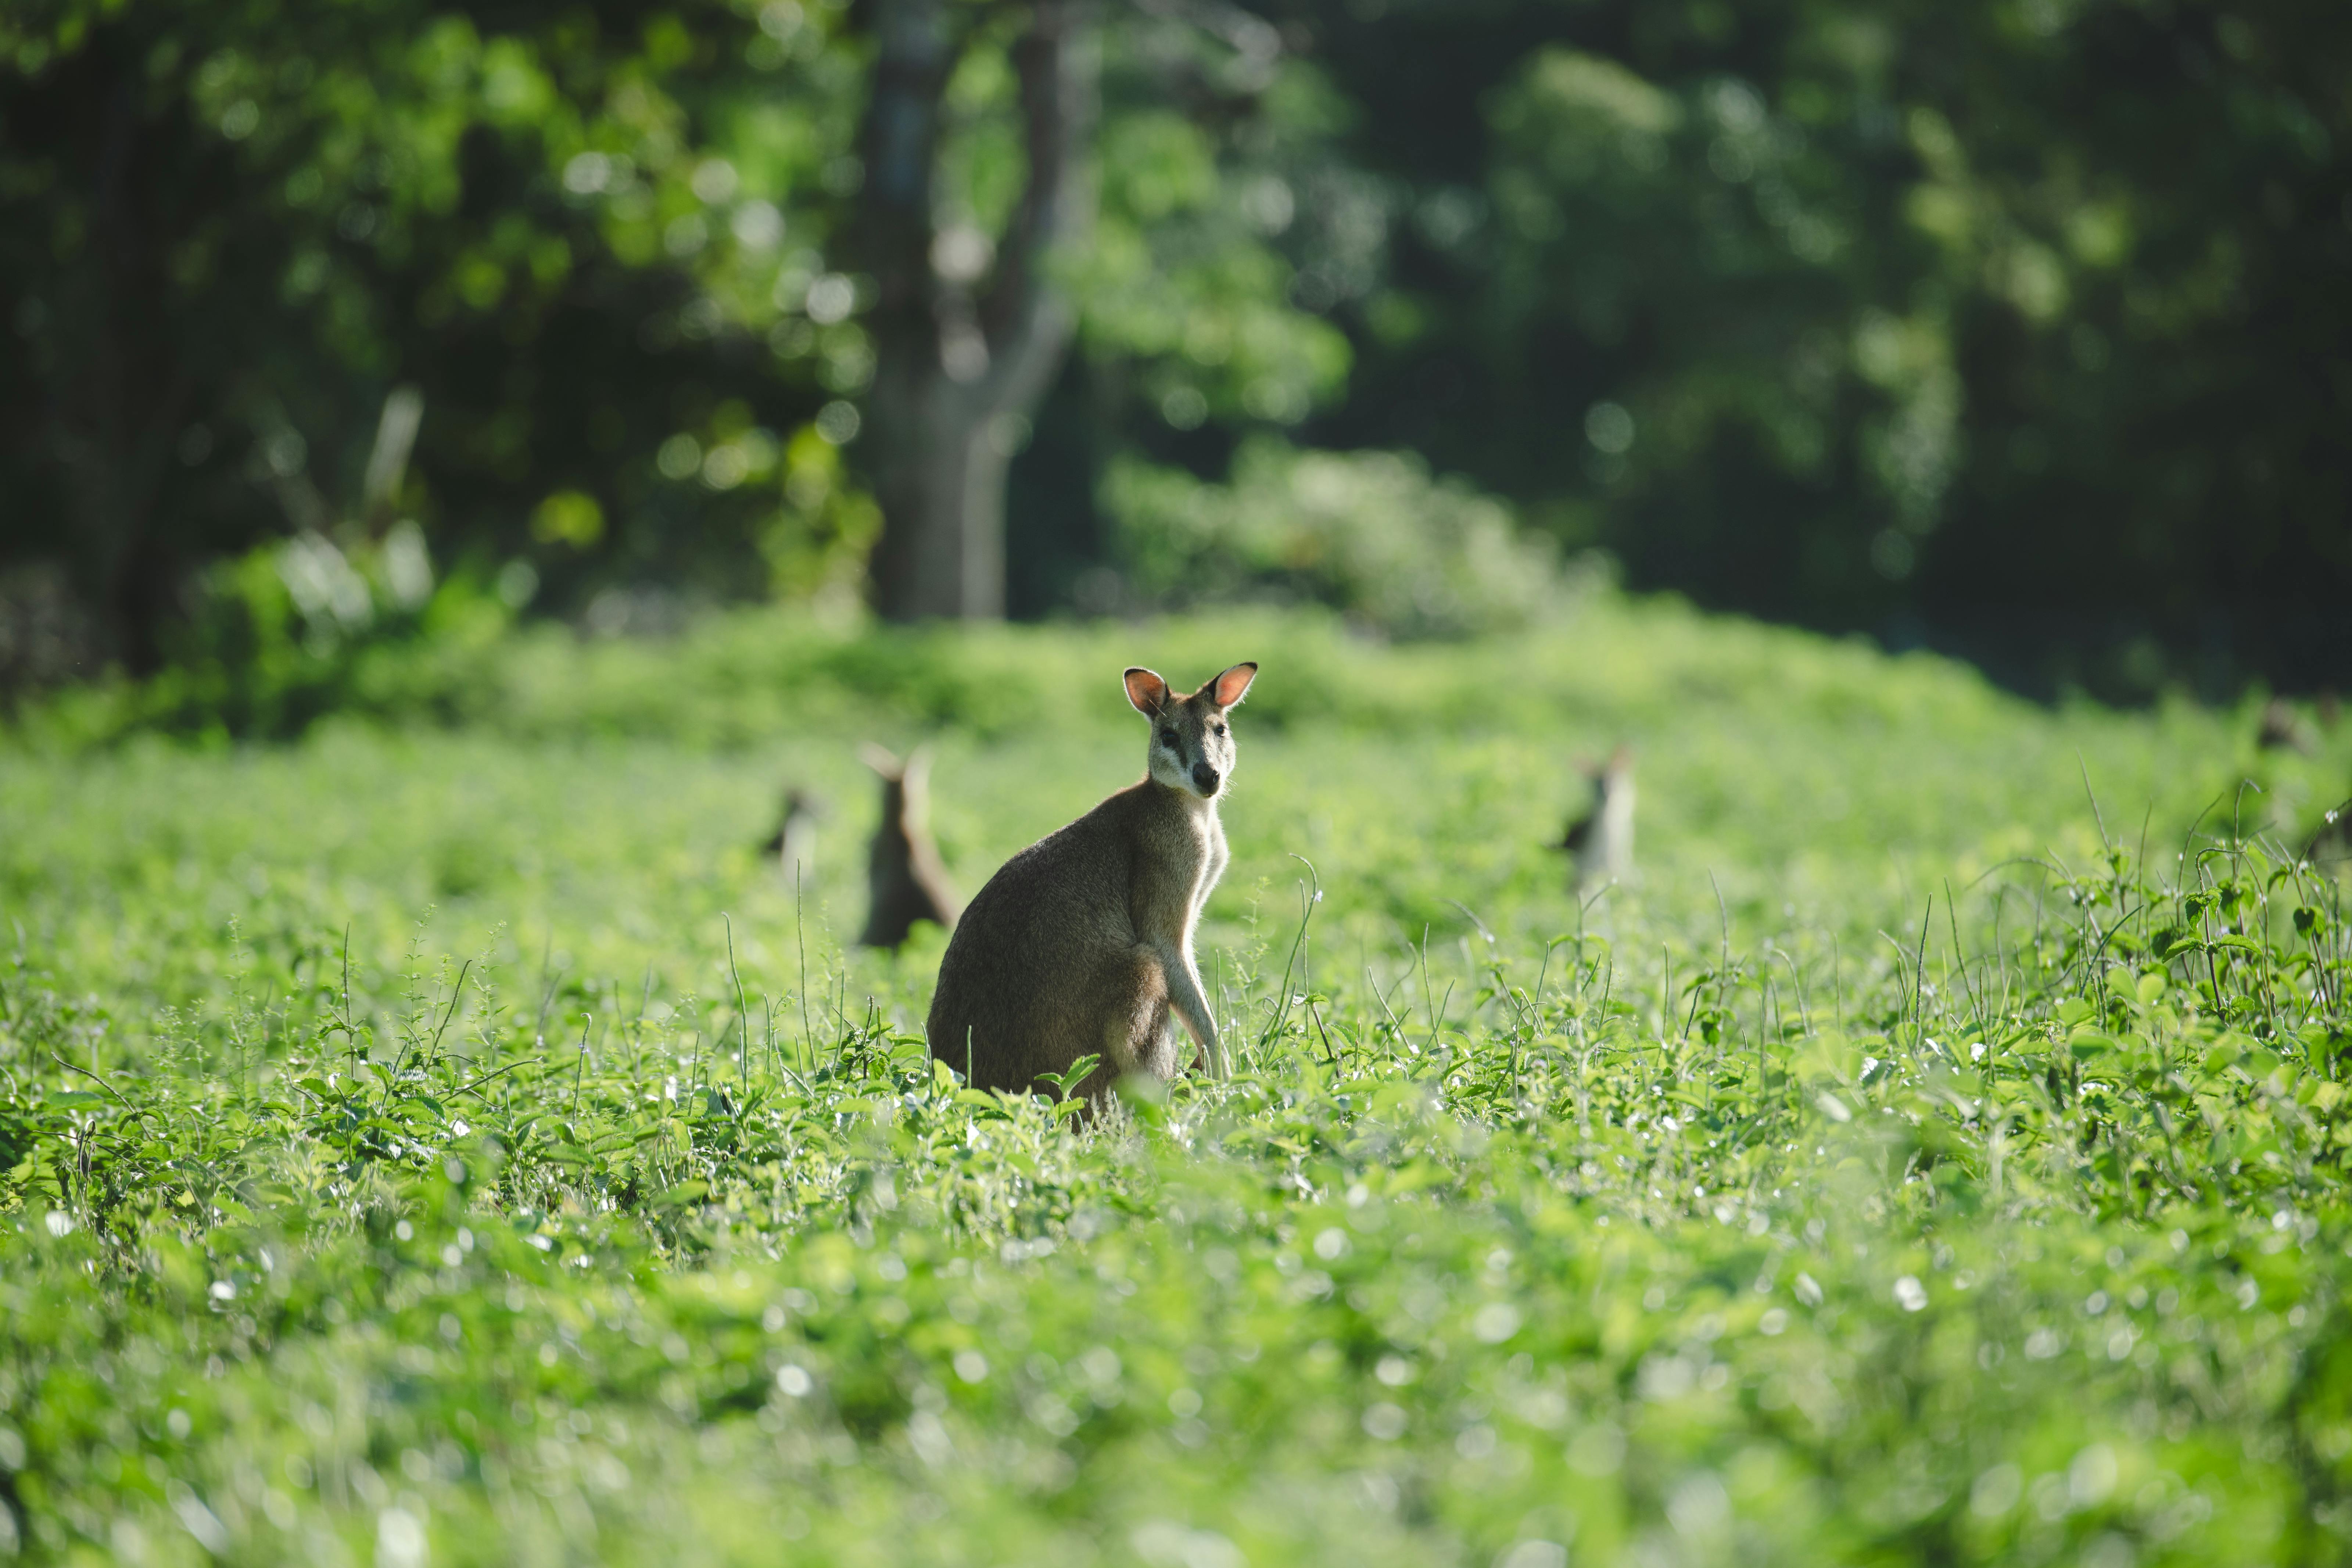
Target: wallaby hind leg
point(1138, 1033)
point(1152, 1021)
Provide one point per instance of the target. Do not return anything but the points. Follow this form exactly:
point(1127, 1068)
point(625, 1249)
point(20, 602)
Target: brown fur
point(1081, 943)
point(793, 846)
point(908, 879)
point(1601, 841)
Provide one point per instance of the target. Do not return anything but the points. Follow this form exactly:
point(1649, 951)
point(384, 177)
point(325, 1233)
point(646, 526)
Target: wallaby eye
point(1168, 738)
point(1220, 729)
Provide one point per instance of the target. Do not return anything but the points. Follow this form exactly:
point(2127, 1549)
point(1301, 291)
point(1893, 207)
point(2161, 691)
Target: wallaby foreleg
point(1186, 1000)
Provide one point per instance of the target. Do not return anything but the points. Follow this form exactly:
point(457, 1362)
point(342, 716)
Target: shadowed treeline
point(2017, 330)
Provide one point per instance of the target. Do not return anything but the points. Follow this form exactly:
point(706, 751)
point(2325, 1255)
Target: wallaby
point(2329, 847)
point(1082, 944)
point(793, 846)
point(908, 879)
point(1601, 840)
point(2281, 728)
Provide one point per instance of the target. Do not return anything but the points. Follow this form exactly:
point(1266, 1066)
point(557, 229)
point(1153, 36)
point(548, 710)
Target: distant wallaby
point(2329, 848)
point(2281, 728)
point(1601, 840)
point(1081, 943)
point(908, 879)
point(793, 846)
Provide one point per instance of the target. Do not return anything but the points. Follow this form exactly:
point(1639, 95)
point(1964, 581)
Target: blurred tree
point(609, 244)
point(1021, 191)
point(960, 368)
point(2016, 327)
point(227, 228)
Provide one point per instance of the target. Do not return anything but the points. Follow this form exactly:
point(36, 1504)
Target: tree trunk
point(114, 425)
point(956, 373)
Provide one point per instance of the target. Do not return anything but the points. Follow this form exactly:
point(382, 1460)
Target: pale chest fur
point(1212, 863)
point(1188, 845)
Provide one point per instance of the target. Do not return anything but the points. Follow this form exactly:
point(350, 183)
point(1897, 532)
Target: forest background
point(2015, 330)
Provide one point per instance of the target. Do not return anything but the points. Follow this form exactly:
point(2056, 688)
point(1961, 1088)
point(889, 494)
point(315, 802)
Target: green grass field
point(443, 1140)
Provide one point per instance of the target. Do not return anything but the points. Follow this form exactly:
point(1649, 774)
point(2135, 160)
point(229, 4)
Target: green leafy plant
point(1063, 1082)
point(1368, 534)
point(403, 1158)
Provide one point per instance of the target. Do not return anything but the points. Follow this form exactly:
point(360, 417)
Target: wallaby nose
point(1204, 778)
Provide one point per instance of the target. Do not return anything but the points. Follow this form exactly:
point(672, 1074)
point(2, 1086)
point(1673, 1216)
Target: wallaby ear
point(1146, 691)
point(882, 761)
point(1228, 688)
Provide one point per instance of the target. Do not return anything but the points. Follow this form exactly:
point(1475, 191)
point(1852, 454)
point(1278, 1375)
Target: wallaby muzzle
point(1204, 778)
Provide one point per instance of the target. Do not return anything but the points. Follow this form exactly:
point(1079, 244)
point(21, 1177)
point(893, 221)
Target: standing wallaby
point(2329, 848)
point(1082, 944)
point(793, 846)
point(908, 879)
point(2281, 728)
point(1601, 840)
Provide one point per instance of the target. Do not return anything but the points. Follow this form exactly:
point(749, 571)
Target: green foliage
point(1822, 312)
point(405, 1158)
point(607, 247)
point(1813, 377)
point(1850, 313)
point(1185, 273)
point(560, 229)
point(816, 548)
point(290, 632)
point(1368, 534)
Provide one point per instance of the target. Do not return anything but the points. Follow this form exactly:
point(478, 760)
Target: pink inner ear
point(1146, 691)
point(1232, 683)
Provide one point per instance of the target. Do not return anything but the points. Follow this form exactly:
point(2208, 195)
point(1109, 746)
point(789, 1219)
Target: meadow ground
point(446, 1141)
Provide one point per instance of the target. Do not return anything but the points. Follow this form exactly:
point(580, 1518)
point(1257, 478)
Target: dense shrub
point(1368, 533)
point(403, 1160)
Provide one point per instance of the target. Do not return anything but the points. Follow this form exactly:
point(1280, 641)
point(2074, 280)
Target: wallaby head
point(906, 785)
point(1191, 747)
point(1601, 836)
point(795, 836)
point(1612, 776)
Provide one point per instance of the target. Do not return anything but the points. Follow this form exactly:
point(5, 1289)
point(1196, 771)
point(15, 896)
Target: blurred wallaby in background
point(1082, 944)
point(1599, 842)
point(793, 846)
point(2283, 730)
point(2329, 846)
point(908, 880)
